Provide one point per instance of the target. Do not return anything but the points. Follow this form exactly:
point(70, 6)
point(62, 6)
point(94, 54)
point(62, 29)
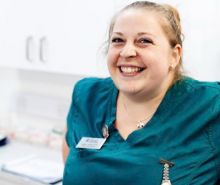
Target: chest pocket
point(193, 169)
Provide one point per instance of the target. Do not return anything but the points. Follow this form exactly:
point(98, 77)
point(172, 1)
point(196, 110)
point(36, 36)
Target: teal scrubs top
point(185, 130)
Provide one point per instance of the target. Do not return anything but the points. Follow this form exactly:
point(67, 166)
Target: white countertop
point(15, 150)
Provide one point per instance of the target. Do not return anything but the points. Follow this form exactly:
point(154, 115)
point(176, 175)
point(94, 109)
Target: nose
point(128, 51)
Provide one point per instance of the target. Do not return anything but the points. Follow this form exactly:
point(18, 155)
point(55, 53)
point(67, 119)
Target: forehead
point(138, 20)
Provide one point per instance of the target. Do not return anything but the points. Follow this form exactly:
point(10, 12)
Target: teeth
point(130, 69)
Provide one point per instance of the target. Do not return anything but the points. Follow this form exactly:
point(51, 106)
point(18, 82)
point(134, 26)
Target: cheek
point(110, 62)
point(112, 57)
point(158, 66)
point(161, 65)
point(160, 61)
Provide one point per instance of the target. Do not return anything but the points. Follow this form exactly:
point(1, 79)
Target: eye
point(117, 40)
point(145, 41)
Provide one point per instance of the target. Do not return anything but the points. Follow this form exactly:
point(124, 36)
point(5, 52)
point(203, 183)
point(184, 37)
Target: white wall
point(17, 85)
point(34, 105)
point(201, 45)
point(8, 85)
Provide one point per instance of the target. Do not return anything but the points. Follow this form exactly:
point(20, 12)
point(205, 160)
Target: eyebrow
point(118, 33)
point(139, 34)
point(145, 33)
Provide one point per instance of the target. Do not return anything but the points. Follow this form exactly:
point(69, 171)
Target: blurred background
point(47, 45)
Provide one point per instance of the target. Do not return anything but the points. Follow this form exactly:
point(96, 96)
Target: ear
point(176, 55)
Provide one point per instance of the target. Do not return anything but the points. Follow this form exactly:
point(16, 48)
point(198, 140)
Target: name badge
point(91, 143)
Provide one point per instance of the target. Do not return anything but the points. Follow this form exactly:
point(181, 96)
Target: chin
point(131, 85)
point(128, 88)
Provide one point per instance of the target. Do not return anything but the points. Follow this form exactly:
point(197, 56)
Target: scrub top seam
point(110, 107)
point(72, 114)
point(214, 148)
point(204, 84)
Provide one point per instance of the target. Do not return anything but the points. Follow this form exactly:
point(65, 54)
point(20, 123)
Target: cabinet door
point(75, 33)
point(62, 36)
point(19, 22)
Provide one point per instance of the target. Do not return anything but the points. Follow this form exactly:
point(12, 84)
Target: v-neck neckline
point(157, 116)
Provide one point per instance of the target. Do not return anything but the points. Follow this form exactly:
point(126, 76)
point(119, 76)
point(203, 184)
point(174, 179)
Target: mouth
point(131, 70)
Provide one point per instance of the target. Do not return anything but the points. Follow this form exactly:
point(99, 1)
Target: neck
point(136, 105)
point(142, 106)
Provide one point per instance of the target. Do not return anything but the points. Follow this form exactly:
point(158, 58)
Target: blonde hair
point(171, 25)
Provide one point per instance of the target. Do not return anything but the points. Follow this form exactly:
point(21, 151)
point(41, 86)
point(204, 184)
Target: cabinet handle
point(43, 49)
point(29, 48)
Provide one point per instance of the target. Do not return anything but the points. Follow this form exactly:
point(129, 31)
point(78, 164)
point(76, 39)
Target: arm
point(65, 150)
point(65, 144)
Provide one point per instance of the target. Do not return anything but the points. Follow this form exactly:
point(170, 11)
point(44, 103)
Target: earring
point(172, 67)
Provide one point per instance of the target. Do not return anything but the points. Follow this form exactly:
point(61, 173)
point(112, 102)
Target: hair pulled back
point(169, 20)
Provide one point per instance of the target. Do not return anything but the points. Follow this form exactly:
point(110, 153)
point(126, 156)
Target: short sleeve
point(71, 116)
point(88, 109)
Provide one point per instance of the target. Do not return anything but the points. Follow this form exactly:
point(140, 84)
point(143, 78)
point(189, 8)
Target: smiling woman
point(147, 123)
point(141, 55)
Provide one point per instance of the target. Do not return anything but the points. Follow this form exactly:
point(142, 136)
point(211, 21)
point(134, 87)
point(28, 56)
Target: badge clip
point(167, 165)
point(105, 131)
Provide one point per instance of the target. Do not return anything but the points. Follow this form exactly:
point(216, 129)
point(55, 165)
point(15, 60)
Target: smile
point(130, 70)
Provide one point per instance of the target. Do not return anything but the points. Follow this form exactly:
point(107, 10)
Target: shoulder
point(200, 88)
point(93, 87)
point(90, 108)
point(208, 92)
point(93, 93)
point(97, 83)
point(197, 96)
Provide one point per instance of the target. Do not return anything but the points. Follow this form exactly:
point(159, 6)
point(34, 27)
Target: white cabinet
point(62, 36)
point(19, 34)
point(77, 35)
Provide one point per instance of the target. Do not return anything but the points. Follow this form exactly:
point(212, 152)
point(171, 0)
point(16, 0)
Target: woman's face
point(139, 55)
